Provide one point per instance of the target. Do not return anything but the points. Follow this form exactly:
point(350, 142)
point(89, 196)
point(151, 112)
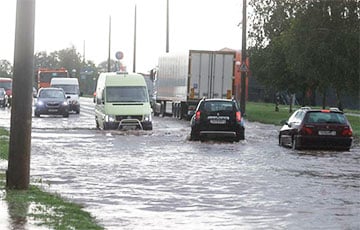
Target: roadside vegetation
point(36, 207)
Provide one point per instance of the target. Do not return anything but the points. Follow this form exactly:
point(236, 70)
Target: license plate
point(217, 122)
point(327, 133)
point(53, 110)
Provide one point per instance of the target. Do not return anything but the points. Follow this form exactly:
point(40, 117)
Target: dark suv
point(317, 129)
point(215, 118)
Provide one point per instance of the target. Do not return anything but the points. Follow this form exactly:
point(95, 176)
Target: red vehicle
point(44, 76)
point(317, 128)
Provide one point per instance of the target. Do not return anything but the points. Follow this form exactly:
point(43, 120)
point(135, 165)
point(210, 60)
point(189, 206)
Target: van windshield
point(127, 94)
point(69, 89)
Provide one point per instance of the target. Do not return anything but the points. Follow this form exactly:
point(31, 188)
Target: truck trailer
point(181, 80)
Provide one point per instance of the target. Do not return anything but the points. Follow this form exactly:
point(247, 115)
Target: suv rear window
point(321, 117)
point(217, 106)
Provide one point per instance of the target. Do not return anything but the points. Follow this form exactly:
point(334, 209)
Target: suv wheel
point(194, 136)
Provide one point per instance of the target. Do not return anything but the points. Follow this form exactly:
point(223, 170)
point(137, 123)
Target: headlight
point(65, 103)
point(147, 118)
point(40, 103)
point(109, 118)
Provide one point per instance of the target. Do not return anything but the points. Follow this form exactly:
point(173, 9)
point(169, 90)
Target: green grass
point(265, 113)
point(45, 209)
point(4, 143)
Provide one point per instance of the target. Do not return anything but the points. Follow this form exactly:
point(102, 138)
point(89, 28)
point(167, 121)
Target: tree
point(316, 43)
point(6, 70)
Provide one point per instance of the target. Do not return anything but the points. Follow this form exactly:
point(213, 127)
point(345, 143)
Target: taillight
point(347, 132)
point(238, 116)
point(306, 130)
point(197, 115)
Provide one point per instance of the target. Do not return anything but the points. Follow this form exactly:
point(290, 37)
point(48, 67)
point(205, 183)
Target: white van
point(122, 102)
point(71, 88)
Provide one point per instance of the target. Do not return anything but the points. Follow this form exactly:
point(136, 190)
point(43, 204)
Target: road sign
point(119, 55)
point(244, 68)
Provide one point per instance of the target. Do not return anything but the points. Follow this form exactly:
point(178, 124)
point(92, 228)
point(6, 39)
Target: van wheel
point(66, 115)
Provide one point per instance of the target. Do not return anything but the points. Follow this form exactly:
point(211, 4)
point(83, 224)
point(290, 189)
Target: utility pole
point(243, 61)
point(134, 60)
point(18, 173)
point(108, 62)
point(167, 26)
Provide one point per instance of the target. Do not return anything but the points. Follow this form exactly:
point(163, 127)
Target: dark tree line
point(307, 46)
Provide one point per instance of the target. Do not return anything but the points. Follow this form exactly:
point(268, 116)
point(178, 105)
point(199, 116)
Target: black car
point(317, 129)
point(217, 118)
point(51, 101)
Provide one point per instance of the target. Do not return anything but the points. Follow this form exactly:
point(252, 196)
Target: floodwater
point(161, 180)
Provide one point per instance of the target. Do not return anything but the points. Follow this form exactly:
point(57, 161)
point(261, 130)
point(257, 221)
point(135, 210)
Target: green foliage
point(6, 69)
point(306, 45)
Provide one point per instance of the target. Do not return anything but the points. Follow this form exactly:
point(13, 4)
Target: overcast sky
point(59, 24)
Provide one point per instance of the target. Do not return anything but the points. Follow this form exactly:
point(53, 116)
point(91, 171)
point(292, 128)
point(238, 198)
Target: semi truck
point(181, 80)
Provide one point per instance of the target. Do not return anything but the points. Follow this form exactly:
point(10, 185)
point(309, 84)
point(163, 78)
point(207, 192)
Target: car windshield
point(217, 106)
point(325, 117)
point(127, 94)
point(69, 89)
point(51, 94)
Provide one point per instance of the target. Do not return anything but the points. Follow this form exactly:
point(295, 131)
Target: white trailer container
point(182, 79)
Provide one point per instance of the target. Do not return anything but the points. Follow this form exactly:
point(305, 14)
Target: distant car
point(317, 129)
point(217, 118)
point(3, 98)
point(51, 101)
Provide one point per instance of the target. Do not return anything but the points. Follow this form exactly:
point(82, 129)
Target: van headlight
point(65, 103)
point(147, 118)
point(109, 118)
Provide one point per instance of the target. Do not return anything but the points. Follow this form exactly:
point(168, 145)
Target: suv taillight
point(197, 115)
point(238, 116)
point(347, 132)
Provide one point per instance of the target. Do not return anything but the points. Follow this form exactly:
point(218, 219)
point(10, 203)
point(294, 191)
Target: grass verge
point(37, 207)
point(4, 144)
point(265, 113)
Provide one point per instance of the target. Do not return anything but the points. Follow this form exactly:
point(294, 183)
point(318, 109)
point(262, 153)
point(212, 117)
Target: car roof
point(218, 99)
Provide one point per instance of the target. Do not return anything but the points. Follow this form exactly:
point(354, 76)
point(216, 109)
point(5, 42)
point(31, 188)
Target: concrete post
point(18, 174)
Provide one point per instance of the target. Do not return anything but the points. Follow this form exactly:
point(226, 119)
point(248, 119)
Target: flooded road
point(160, 180)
